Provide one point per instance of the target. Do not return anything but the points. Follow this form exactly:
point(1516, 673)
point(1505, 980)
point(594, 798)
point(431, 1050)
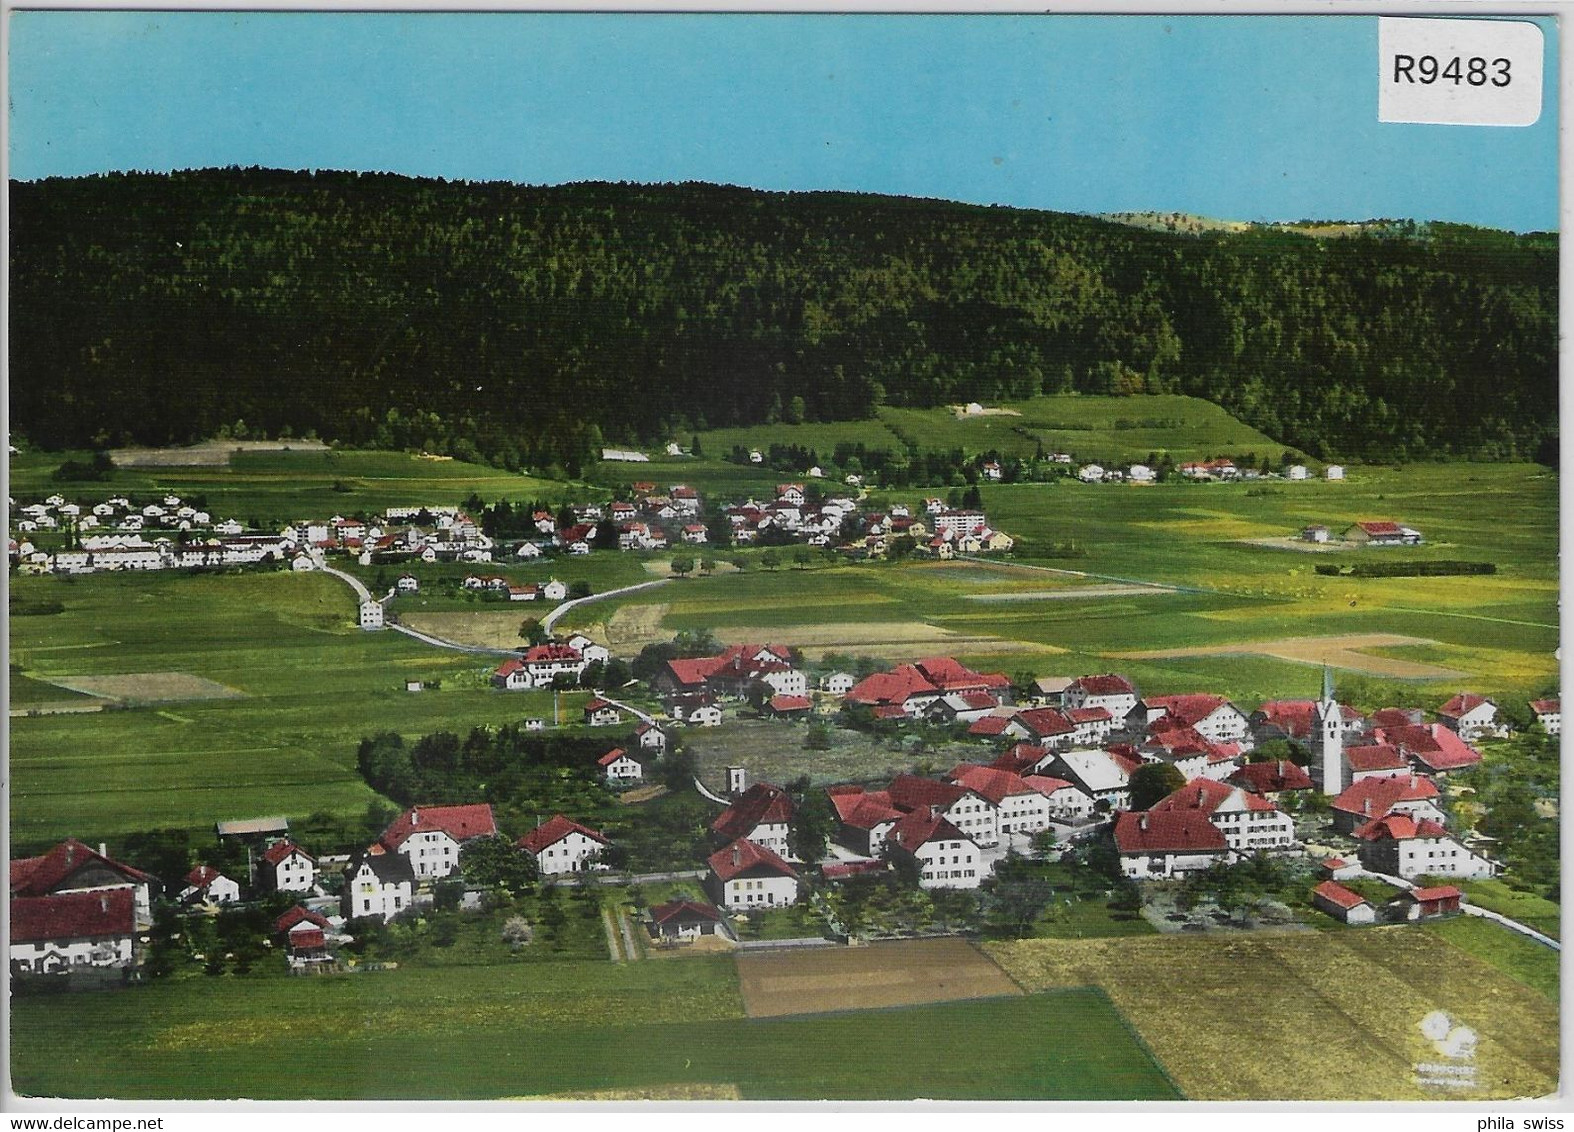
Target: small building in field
point(305, 936)
point(620, 766)
point(1381, 532)
point(371, 614)
point(1314, 533)
point(686, 920)
point(1426, 903)
point(1343, 904)
point(651, 738)
point(1334, 472)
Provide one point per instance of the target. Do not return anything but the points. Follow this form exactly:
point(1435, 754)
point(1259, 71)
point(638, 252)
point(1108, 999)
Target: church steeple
point(1330, 721)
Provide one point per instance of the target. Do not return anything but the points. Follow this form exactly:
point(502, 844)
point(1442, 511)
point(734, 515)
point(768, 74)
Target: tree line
point(526, 326)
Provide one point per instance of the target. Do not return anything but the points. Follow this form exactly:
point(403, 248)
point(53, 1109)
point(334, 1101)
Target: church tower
point(1330, 722)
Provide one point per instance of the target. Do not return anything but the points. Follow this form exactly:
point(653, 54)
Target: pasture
point(1317, 1016)
point(665, 1029)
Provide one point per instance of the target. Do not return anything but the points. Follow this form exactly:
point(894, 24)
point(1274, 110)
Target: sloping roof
point(1437, 892)
point(613, 756)
point(743, 855)
point(681, 910)
point(40, 876)
point(1205, 795)
point(1400, 827)
point(553, 830)
point(910, 792)
point(1170, 831)
point(245, 827)
point(510, 666)
point(1379, 756)
point(1189, 709)
point(1337, 894)
point(1106, 684)
point(298, 915)
point(919, 828)
point(1046, 785)
point(202, 876)
point(279, 850)
point(893, 687)
point(1462, 704)
point(950, 675)
point(389, 868)
point(462, 823)
point(1374, 797)
point(989, 782)
point(1271, 777)
point(1097, 770)
point(1045, 722)
point(1431, 744)
point(1545, 707)
point(73, 915)
point(790, 703)
point(1395, 717)
point(1380, 527)
point(1088, 715)
point(760, 804)
point(862, 809)
point(988, 726)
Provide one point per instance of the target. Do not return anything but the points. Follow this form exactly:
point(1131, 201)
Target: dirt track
point(1336, 652)
point(860, 978)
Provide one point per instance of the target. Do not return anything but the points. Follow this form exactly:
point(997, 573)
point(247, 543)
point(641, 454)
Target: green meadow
point(531, 1029)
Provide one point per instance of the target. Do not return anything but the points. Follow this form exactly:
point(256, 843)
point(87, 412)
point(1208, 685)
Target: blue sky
point(1255, 118)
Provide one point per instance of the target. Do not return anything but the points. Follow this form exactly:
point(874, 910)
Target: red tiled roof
point(73, 915)
point(863, 809)
point(1205, 795)
point(1431, 744)
point(919, 828)
point(462, 823)
point(684, 910)
point(299, 915)
point(841, 870)
point(1189, 709)
point(893, 687)
point(1107, 684)
point(1046, 785)
point(546, 654)
point(1336, 893)
point(890, 711)
point(1379, 527)
point(1399, 827)
point(989, 726)
point(1296, 718)
point(910, 792)
point(1272, 777)
point(1544, 707)
point(39, 876)
point(1381, 756)
point(1045, 722)
point(597, 704)
point(1462, 704)
point(202, 876)
point(1374, 797)
point(760, 804)
point(1088, 715)
point(509, 667)
point(790, 703)
point(1178, 741)
point(279, 850)
point(1170, 831)
point(743, 855)
point(553, 830)
point(949, 675)
point(611, 756)
point(1394, 717)
point(989, 782)
point(1020, 758)
point(693, 671)
point(1438, 892)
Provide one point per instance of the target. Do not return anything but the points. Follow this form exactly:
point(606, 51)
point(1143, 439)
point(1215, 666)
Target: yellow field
point(1336, 652)
point(1308, 1015)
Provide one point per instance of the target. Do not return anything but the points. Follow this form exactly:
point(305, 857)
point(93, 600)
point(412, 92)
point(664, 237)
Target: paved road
point(552, 618)
point(1512, 925)
point(361, 592)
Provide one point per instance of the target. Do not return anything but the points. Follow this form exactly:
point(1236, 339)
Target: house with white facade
point(864, 818)
point(1249, 822)
point(761, 814)
point(377, 883)
point(430, 837)
point(621, 767)
point(1019, 806)
point(1413, 795)
point(560, 845)
point(1549, 713)
point(946, 857)
point(973, 814)
point(1214, 717)
point(651, 738)
point(1112, 692)
point(206, 885)
point(1402, 846)
point(371, 614)
point(1342, 904)
point(1167, 844)
point(744, 876)
point(71, 930)
point(1099, 774)
point(1470, 716)
point(285, 867)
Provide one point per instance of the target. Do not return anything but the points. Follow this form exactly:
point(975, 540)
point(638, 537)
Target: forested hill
point(531, 324)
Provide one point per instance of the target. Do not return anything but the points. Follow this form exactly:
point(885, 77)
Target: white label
point(1458, 72)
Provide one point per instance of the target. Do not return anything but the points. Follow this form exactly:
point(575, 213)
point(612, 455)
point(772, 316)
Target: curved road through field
point(551, 618)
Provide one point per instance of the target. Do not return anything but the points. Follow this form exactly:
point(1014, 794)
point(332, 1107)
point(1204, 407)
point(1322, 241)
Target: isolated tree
point(1152, 782)
point(531, 632)
point(707, 565)
point(771, 559)
point(818, 737)
point(683, 565)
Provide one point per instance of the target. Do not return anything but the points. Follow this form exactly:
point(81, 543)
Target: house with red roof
point(1296, 720)
point(1430, 747)
point(962, 707)
point(1549, 713)
point(1213, 717)
point(512, 676)
point(60, 932)
point(1414, 795)
point(1375, 760)
point(1020, 807)
point(377, 882)
point(72, 867)
point(206, 885)
point(1471, 717)
point(913, 688)
point(864, 818)
point(285, 867)
point(1104, 776)
point(563, 846)
point(1271, 779)
point(1249, 822)
point(972, 813)
point(1402, 846)
point(430, 837)
point(946, 856)
point(305, 936)
point(651, 738)
point(621, 767)
point(602, 713)
point(744, 876)
point(1167, 844)
point(990, 726)
point(1189, 752)
point(761, 814)
point(789, 707)
point(1114, 693)
point(1047, 727)
point(686, 920)
point(1381, 532)
point(1343, 904)
point(1427, 903)
point(733, 672)
point(1090, 726)
point(1067, 803)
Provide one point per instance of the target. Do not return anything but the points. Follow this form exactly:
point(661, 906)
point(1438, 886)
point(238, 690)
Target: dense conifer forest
point(528, 326)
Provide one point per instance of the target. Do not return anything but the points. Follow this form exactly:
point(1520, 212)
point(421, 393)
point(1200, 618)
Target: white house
point(972, 813)
point(1140, 473)
point(589, 649)
point(946, 857)
point(1334, 471)
point(430, 837)
point(1109, 691)
point(1295, 472)
point(90, 928)
point(512, 676)
point(1167, 844)
point(1090, 473)
point(1020, 807)
point(1065, 801)
point(285, 867)
point(377, 883)
point(371, 614)
point(554, 590)
point(837, 683)
point(762, 814)
point(563, 846)
point(1213, 717)
point(864, 816)
point(206, 885)
point(1402, 846)
point(1470, 716)
point(620, 766)
point(407, 584)
point(744, 876)
point(1549, 713)
point(708, 715)
point(1249, 822)
point(1098, 774)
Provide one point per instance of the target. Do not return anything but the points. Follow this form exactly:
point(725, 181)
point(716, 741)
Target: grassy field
point(564, 1027)
point(1342, 1009)
point(1521, 959)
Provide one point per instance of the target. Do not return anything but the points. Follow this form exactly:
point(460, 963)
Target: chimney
point(103, 902)
point(415, 817)
point(1202, 796)
point(1281, 770)
point(1142, 822)
point(737, 856)
point(71, 852)
point(103, 850)
point(1366, 807)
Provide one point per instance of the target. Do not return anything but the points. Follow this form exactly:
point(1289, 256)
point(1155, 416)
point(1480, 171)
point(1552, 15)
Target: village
point(1158, 799)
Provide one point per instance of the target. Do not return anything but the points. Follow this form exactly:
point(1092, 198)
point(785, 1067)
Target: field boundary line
point(1136, 1036)
point(1016, 982)
point(612, 939)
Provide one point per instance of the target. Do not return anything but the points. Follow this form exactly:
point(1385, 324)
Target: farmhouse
point(789, 707)
point(1188, 752)
point(1213, 717)
point(1470, 716)
point(430, 837)
point(206, 885)
point(761, 814)
point(74, 929)
point(1549, 713)
point(1402, 846)
point(946, 857)
point(377, 883)
point(1430, 747)
point(974, 815)
point(837, 683)
point(1115, 694)
point(1427, 903)
point(686, 920)
point(72, 867)
point(864, 817)
point(1414, 796)
point(1272, 778)
point(1342, 904)
point(602, 713)
point(911, 688)
point(732, 672)
point(1066, 802)
point(1167, 844)
point(512, 676)
point(744, 875)
point(619, 766)
point(1249, 822)
point(371, 614)
point(1381, 532)
point(563, 846)
point(651, 738)
point(1379, 760)
point(1101, 775)
point(1020, 807)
